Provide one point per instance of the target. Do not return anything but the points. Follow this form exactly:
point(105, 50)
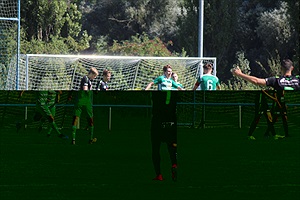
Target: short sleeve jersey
point(208, 82)
point(102, 85)
point(46, 98)
point(284, 82)
point(179, 84)
point(161, 110)
point(166, 83)
point(85, 96)
point(85, 81)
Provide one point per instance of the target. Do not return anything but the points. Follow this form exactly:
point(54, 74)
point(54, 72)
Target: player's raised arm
point(149, 85)
point(252, 79)
point(196, 85)
point(176, 85)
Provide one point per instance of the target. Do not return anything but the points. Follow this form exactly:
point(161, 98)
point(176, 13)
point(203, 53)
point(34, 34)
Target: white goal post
point(64, 72)
point(9, 37)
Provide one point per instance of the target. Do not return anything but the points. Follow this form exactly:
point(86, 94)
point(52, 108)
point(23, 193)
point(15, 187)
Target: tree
point(188, 23)
point(219, 35)
point(141, 45)
point(237, 83)
point(275, 30)
point(266, 34)
point(220, 21)
point(294, 19)
point(66, 26)
point(52, 26)
point(248, 13)
point(121, 19)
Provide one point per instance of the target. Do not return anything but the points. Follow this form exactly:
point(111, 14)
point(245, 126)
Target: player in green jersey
point(207, 81)
point(84, 100)
point(45, 109)
point(164, 82)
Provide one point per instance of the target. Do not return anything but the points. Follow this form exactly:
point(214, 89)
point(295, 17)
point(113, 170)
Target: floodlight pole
point(200, 28)
point(200, 54)
point(18, 47)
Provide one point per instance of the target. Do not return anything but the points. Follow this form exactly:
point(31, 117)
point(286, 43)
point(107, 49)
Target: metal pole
point(109, 119)
point(240, 116)
point(194, 107)
point(200, 28)
point(136, 74)
point(26, 116)
point(18, 47)
point(203, 111)
point(200, 48)
point(26, 72)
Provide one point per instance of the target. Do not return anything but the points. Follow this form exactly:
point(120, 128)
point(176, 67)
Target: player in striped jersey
point(103, 83)
point(262, 108)
point(286, 81)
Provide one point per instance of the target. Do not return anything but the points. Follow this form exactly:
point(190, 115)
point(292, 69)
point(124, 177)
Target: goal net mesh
point(8, 37)
point(221, 110)
point(63, 72)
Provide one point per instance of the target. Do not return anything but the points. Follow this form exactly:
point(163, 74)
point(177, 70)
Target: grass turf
point(212, 164)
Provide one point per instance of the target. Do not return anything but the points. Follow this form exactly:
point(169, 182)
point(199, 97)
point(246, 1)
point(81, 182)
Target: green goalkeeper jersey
point(46, 98)
point(85, 97)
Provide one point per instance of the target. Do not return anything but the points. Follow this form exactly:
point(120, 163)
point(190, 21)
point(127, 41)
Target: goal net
point(64, 72)
point(9, 36)
point(223, 109)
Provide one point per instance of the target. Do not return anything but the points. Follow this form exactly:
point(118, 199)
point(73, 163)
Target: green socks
point(91, 129)
point(74, 132)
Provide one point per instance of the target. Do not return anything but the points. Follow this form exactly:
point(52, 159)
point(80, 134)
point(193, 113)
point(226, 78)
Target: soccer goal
point(64, 72)
point(9, 38)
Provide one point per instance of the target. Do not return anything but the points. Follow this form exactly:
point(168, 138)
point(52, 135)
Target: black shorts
point(261, 104)
point(164, 132)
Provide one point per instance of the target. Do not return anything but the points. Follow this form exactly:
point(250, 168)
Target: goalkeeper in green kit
point(84, 101)
point(45, 110)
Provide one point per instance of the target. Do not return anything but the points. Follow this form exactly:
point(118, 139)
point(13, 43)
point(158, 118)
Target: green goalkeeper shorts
point(80, 107)
point(46, 110)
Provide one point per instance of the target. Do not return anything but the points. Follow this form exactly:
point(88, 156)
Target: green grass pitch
point(213, 163)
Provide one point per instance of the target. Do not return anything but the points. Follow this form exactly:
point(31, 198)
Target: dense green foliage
point(263, 31)
point(141, 45)
point(52, 27)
